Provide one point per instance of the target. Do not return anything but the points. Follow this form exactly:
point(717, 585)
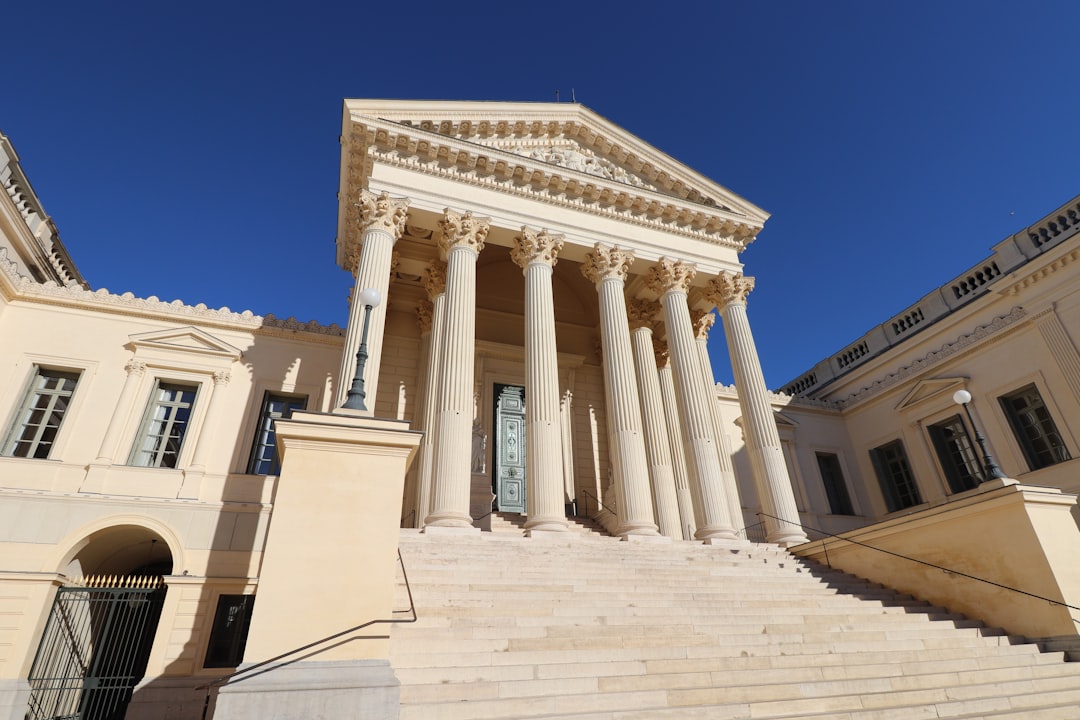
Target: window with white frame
point(956, 454)
point(164, 425)
point(264, 459)
point(1034, 428)
point(895, 477)
point(40, 414)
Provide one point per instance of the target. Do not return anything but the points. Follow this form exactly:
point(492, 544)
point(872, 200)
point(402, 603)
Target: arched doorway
point(101, 627)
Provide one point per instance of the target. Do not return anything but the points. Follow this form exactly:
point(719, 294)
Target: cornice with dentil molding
point(980, 333)
point(571, 184)
point(102, 300)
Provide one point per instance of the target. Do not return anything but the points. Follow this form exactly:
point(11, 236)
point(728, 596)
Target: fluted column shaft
point(728, 291)
point(383, 222)
point(135, 371)
point(436, 287)
point(683, 494)
point(702, 323)
point(536, 254)
point(657, 447)
point(607, 269)
point(672, 280)
point(462, 240)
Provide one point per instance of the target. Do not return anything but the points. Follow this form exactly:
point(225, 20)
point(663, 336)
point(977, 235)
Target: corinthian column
point(728, 291)
point(382, 222)
point(671, 280)
point(461, 240)
point(675, 437)
point(607, 269)
point(435, 283)
point(703, 322)
point(642, 314)
point(536, 254)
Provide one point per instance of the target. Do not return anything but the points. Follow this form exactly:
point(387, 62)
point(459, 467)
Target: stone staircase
point(512, 523)
point(592, 628)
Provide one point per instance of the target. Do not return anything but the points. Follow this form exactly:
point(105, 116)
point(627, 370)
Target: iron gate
point(95, 648)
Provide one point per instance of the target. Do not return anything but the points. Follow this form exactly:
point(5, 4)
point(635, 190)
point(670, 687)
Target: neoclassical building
point(546, 283)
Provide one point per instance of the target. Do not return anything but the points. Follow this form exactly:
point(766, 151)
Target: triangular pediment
point(931, 388)
point(566, 138)
point(185, 339)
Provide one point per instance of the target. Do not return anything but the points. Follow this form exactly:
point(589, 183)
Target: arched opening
point(100, 631)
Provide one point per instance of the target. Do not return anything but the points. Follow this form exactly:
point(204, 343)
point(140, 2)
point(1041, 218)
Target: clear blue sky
point(190, 150)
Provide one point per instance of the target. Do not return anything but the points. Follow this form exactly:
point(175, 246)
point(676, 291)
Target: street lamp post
point(369, 298)
point(993, 472)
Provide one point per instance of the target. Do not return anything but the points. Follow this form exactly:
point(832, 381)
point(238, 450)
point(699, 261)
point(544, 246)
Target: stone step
point(582, 628)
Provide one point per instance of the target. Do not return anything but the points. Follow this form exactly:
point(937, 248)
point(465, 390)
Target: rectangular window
point(228, 637)
point(164, 426)
point(40, 414)
point(1034, 428)
point(894, 475)
point(961, 465)
point(835, 487)
point(264, 459)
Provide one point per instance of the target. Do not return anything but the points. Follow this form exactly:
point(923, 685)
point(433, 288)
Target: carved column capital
point(462, 230)
point(669, 275)
point(136, 368)
point(423, 315)
point(381, 212)
point(435, 279)
point(642, 313)
point(728, 288)
point(702, 321)
point(222, 377)
point(606, 263)
point(660, 349)
point(532, 246)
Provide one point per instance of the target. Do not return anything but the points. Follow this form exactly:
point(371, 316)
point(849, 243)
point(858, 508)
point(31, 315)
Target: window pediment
point(933, 388)
point(189, 340)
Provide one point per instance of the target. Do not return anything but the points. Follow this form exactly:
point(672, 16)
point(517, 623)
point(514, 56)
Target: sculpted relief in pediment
point(574, 157)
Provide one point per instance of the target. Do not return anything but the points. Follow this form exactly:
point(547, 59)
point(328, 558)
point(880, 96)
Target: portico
point(522, 234)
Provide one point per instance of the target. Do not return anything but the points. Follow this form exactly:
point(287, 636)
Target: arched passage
point(101, 627)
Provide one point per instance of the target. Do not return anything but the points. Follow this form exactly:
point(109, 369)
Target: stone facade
point(533, 245)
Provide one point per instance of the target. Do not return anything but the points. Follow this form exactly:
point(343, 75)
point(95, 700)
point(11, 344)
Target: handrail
point(228, 679)
point(922, 562)
point(599, 504)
